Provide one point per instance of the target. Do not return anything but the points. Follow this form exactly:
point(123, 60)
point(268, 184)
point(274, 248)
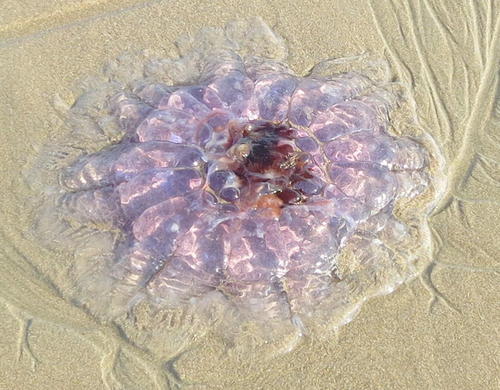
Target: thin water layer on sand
point(223, 184)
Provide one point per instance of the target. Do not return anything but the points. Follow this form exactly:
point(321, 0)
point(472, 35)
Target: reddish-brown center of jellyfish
point(268, 164)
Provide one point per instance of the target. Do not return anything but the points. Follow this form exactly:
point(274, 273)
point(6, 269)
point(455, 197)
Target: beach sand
point(439, 331)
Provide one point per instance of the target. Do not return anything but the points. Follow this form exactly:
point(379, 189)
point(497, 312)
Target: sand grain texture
point(437, 332)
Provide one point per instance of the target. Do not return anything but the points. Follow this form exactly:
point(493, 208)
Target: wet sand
point(437, 332)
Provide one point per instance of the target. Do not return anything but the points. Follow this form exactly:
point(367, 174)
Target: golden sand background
point(438, 332)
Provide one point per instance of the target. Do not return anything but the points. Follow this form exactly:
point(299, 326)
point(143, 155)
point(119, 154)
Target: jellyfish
point(229, 175)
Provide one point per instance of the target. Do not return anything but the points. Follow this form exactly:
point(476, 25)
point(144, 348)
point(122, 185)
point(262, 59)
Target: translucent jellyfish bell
point(252, 188)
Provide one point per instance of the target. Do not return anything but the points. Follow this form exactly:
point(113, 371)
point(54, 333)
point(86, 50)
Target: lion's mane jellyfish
point(223, 176)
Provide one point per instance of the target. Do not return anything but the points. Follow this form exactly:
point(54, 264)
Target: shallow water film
point(235, 183)
point(235, 208)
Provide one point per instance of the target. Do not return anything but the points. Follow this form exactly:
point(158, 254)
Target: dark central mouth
point(261, 151)
point(262, 167)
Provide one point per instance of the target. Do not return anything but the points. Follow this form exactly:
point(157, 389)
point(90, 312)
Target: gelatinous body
point(247, 183)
